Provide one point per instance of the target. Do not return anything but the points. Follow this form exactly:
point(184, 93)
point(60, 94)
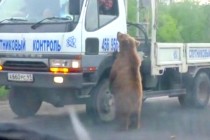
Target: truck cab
point(56, 50)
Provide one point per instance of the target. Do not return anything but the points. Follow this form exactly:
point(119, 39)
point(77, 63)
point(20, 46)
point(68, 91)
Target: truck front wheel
point(197, 95)
point(24, 102)
point(101, 106)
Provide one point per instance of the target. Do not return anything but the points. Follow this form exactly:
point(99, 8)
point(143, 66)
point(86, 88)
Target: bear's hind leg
point(124, 122)
point(135, 120)
point(136, 116)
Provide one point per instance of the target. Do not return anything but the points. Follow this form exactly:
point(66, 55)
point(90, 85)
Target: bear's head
point(127, 42)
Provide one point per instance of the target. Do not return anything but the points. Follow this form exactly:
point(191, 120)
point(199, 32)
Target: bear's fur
point(126, 83)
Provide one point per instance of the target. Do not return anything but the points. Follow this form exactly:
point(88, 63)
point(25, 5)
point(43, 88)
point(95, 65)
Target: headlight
point(67, 63)
point(75, 64)
point(60, 63)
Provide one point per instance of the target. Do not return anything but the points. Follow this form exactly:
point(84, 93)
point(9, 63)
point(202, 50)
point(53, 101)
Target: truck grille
point(25, 66)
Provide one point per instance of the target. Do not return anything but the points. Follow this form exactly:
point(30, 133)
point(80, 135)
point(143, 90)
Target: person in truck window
point(106, 7)
point(52, 10)
point(47, 13)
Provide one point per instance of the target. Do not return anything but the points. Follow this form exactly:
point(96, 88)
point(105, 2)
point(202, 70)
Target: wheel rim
point(106, 104)
point(203, 92)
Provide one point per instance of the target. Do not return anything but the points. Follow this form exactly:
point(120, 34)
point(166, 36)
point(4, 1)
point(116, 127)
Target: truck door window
point(108, 11)
point(100, 13)
point(92, 16)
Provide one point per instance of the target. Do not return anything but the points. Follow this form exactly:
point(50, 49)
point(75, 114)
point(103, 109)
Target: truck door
point(101, 26)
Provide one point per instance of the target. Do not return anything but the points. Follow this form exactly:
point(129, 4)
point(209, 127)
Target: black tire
point(101, 107)
point(23, 102)
point(198, 94)
point(185, 100)
point(201, 90)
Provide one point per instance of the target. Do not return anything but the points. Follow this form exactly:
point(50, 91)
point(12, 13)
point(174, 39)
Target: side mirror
point(74, 7)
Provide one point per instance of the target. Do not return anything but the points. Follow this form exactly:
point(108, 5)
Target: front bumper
point(45, 80)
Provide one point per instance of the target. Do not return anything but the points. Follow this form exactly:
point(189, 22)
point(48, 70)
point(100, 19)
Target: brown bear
point(126, 82)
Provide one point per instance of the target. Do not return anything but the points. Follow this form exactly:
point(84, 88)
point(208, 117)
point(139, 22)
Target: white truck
point(61, 52)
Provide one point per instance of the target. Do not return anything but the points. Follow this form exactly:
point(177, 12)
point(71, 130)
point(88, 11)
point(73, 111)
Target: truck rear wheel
point(201, 90)
point(101, 106)
point(198, 94)
point(23, 102)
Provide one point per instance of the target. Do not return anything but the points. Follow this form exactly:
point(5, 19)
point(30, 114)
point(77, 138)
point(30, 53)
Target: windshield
point(33, 10)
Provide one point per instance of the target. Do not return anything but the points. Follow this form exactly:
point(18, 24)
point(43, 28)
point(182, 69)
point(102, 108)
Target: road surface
point(162, 119)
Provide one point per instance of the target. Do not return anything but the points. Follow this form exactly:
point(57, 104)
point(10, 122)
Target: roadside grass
point(3, 93)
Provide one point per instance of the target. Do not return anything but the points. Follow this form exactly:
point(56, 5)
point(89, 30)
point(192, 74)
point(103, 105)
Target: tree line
point(186, 21)
point(183, 22)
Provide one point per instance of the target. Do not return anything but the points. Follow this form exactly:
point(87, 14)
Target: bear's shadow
point(154, 115)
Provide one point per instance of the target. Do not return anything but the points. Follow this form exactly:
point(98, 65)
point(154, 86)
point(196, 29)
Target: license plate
point(20, 77)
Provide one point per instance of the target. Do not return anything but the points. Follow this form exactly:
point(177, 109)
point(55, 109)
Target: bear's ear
point(137, 43)
point(118, 35)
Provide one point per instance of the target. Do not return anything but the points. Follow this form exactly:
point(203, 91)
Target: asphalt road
point(162, 119)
